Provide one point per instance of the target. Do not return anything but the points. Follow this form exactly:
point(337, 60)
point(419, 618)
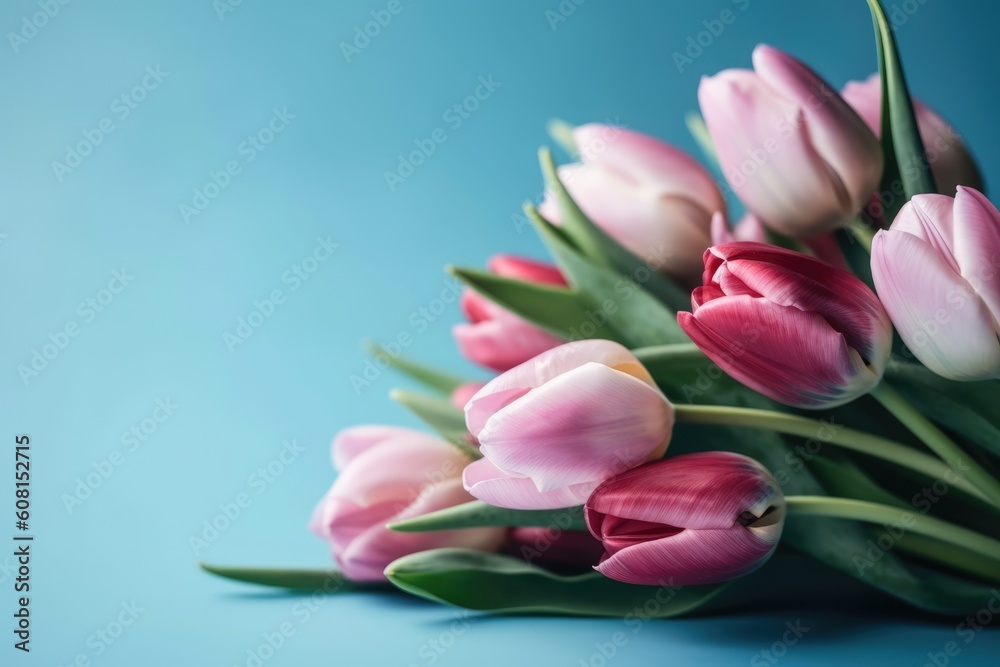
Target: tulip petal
point(356, 440)
point(941, 320)
point(488, 483)
point(502, 342)
point(649, 162)
point(559, 433)
point(835, 130)
point(977, 245)
point(754, 341)
point(522, 268)
point(692, 483)
point(691, 557)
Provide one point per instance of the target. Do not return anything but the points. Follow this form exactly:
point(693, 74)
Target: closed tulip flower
point(652, 198)
point(937, 270)
point(791, 148)
point(950, 160)
point(387, 475)
point(693, 519)
point(555, 427)
point(788, 325)
point(495, 337)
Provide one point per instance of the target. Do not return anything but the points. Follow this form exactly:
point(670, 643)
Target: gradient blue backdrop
point(162, 337)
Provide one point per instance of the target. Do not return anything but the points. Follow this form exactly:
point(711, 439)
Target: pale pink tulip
point(937, 270)
point(652, 198)
point(555, 427)
point(495, 337)
point(950, 160)
point(389, 474)
point(688, 520)
point(790, 147)
point(788, 325)
point(463, 392)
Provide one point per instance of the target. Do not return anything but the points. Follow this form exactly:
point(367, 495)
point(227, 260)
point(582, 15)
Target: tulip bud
point(788, 325)
point(495, 337)
point(790, 147)
point(694, 519)
point(555, 427)
point(950, 160)
point(652, 198)
point(937, 271)
point(387, 475)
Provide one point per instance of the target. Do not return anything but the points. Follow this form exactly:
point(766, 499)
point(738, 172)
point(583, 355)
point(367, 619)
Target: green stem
point(834, 434)
point(937, 441)
point(863, 234)
point(920, 524)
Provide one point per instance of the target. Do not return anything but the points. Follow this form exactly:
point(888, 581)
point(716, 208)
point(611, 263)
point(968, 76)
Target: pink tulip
point(788, 325)
point(386, 475)
point(652, 198)
point(791, 148)
point(687, 520)
point(495, 337)
point(950, 161)
point(555, 427)
point(462, 393)
point(937, 270)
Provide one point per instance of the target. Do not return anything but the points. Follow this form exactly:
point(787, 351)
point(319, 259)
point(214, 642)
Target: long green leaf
point(492, 582)
point(476, 513)
point(430, 377)
point(284, 577)
point(619, 305)
point(441, 415)
point(906, 162)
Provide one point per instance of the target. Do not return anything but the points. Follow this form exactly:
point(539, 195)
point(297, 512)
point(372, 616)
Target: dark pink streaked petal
point(522, 268)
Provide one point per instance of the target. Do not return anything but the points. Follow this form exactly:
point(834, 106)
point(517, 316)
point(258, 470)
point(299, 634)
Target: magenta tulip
point(652, 198)
point(788, 325)
point(386, 475)
point(750, 228)
point(950, 160)
point(693, 519)
point(791, 148)
point(937, 270)
point(495, 337)
point(555, 427)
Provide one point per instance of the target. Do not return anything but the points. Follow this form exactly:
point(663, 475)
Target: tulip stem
point(937, 441)
point(899, 522)
point(827, 432)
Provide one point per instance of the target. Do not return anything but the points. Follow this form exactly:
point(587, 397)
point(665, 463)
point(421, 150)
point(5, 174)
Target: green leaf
point(906, 162)
point(619, 307)
point(968, 408)
point(491, 582)
point(554, 309)
point(562, 133)
point(282, 577)
point(594, 244)
point(699, 131)
point(432, 378)
point(476, 514)
point(441, 415)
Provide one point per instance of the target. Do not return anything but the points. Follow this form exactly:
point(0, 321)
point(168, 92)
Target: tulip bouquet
point(688, 410)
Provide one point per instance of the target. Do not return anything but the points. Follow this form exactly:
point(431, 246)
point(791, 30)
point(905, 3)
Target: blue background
point(162, 337)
